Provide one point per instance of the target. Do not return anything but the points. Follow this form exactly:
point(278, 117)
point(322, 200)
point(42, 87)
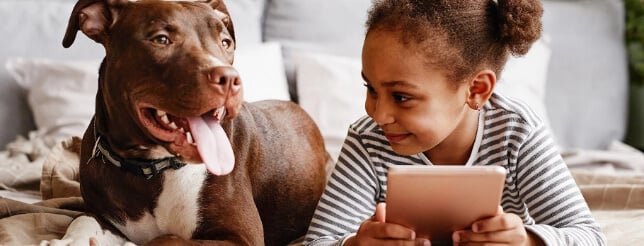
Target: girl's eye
point(400, 97)
point(226, 43)
point(161, 39)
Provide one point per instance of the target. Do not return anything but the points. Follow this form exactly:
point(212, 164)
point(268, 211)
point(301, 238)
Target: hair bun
point(519, 24)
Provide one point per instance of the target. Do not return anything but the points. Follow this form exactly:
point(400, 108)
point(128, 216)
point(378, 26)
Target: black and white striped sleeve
point(349, 197)
point(561, 215)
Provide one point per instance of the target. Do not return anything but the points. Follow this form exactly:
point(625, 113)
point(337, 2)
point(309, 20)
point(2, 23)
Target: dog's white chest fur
point(177, 210)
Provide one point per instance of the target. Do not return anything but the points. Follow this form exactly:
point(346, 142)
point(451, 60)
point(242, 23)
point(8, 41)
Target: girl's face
point(414, 103)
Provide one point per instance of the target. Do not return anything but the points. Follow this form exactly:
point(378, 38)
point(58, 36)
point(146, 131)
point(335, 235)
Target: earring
point(476, 107)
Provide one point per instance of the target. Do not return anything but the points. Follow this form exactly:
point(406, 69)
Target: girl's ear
point(481, 87)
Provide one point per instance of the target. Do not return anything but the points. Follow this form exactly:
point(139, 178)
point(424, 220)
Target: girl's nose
point(382, 113)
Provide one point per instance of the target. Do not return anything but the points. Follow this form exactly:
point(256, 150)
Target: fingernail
point(426, 242)
point(413, 235)
point(475, 228)
point(456, 237)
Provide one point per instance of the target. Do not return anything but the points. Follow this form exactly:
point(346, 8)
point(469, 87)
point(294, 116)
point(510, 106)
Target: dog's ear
point(218, 5)
point(92, 17)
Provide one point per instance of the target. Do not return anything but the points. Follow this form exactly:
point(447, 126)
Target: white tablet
point(434, 201)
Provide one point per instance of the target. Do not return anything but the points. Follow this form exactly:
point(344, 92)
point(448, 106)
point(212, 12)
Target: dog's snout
point(224, 76)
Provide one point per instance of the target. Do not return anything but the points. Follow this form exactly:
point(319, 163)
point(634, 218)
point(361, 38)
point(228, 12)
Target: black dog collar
point(140, 167)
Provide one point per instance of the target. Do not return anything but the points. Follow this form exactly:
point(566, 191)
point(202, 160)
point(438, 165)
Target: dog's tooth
point(173, 126)
point(220, 113)
point(189, 138)
point(161, 113)
point(182, 130)
point(165, 119)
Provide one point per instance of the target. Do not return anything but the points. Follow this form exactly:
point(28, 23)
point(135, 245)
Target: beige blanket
point(617, 202)
point(615, 198)
point(612, 183)
point(29, 224)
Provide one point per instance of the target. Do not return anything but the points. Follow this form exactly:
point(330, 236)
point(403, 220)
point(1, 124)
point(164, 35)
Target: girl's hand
point(375, 231)
point(502, 229)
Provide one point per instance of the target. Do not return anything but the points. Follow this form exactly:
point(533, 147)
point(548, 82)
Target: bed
point(574, 77)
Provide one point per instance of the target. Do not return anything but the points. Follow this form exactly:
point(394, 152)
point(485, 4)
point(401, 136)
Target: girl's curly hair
point(461, 36)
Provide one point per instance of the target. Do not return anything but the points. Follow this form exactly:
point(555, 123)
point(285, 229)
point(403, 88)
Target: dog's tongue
point(213, 145)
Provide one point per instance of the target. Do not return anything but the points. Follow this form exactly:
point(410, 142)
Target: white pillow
point(524, 78)
point(261, 69)
point(331, 89)
point(61, 93)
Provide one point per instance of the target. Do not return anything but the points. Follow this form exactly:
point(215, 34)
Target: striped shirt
point(538, 186)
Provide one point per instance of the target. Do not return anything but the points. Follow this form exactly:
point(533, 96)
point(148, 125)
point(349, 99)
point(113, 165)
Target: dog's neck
point(147, 168)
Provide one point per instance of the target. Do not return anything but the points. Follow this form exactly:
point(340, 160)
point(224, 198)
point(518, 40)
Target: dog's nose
point(225, 77)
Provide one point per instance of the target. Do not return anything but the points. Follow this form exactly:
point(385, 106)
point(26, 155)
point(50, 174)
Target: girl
point(430, 68)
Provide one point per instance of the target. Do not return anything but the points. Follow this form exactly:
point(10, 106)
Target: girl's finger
point(481, 244)
point(380, 230)
point(499, 210)
point(381, 209)
point(499, 222)
point(396, 242)
point(507, 236)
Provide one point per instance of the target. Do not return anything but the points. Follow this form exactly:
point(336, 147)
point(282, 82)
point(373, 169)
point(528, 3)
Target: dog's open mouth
point(168, 123)
point(202, 132)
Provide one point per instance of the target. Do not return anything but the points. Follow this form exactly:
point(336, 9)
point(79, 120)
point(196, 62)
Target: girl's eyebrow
point(392, 83)
point(399, 83)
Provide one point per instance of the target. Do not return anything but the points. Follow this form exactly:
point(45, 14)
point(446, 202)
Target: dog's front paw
point(57, 242)
point(84, 231)
point(169, 240)
point(71, 242)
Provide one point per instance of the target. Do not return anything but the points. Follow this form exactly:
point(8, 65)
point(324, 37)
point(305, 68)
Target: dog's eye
point(226, 43)
point(161, 39)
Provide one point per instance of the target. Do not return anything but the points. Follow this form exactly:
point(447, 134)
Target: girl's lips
point(395, 138)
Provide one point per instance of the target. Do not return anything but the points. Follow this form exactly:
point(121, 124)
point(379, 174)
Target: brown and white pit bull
point(173, 154)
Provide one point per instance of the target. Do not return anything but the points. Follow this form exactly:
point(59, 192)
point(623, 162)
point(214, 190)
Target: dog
point(173, 154)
